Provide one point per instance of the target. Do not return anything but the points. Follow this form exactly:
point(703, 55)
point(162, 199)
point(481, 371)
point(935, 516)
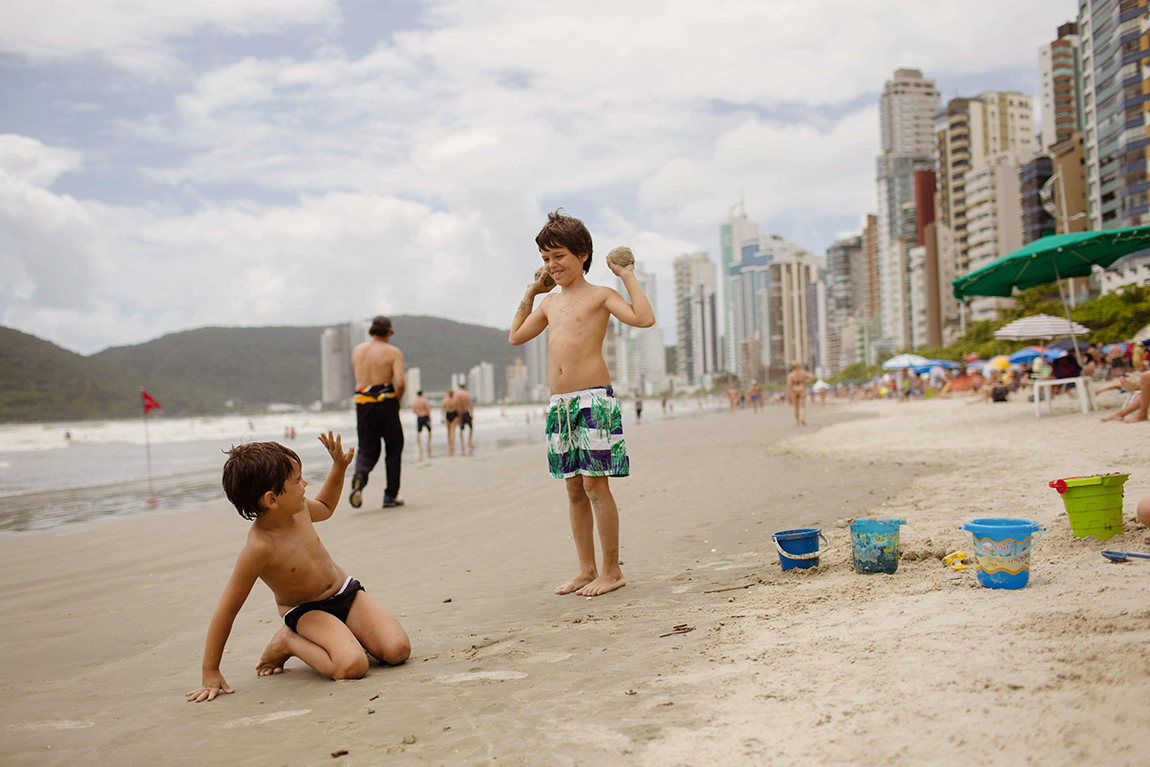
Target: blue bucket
point(799, 548)
point(1002, 547)
point(874, 545)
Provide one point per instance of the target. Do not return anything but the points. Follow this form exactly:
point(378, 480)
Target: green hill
point(196, 371)
point(39, 381)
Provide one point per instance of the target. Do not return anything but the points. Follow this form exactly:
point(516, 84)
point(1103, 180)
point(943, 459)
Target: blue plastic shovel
point(1120, 556)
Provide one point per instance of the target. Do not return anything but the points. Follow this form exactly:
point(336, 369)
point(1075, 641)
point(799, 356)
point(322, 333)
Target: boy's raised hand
point(333, 443)
point(214, 684)
point(619, 270)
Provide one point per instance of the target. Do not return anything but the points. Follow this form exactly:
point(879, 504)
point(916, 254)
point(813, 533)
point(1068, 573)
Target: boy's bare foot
point(1137, 417)
point(576, 583)
point(602, 585)
point(275, 654)
point(1112, 417)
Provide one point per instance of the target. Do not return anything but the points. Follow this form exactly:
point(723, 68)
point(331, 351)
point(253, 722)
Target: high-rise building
point(412, 382)
point(1115, 52)
point(537, 360)
point(788, 319)
point(517, 390)
point(640, 358)
point(748, 285)
point(481, 383)
point(994, 218)
point(969, 132)
point(1036, 221)
point(1058, 79)
point(847, 296)
point(697, 313)
point(1067, 185)
point(337, 381)
point(873, 302)
point(733, 232)
point(906, 114)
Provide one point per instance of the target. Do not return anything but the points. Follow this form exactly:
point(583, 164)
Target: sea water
point(53, 474)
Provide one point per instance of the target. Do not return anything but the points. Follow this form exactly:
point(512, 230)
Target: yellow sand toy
point(955, 560)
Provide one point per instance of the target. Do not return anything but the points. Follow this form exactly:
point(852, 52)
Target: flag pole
point(147, 446)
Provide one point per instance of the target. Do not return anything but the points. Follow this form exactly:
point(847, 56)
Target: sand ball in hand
point(621, 257)
point(548, 280)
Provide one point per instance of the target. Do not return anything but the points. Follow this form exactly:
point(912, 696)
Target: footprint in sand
point(262, 718)
point(480, 676)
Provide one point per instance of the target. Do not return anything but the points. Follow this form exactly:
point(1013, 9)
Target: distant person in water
point(797, 381)
point(450, 408)
point(422, 409)
point(584, 428)
point(378, 389)
point(466, 416)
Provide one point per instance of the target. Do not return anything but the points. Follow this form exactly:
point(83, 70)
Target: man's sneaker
point(390, 502)
point(356, 497)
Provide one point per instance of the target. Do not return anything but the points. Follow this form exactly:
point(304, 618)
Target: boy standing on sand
point(584, 421)
point(329, 620)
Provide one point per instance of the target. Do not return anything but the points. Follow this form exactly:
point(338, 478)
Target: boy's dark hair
point(565, 232)
point(419, 393)
point(252, 470)
point(380, 326)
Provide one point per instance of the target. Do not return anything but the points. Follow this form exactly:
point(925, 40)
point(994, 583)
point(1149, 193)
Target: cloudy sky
point(165, 166)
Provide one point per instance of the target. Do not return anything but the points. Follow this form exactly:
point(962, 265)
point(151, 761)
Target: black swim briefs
point(423, 422)
point(465, 420)
point(451, 415)
point(338, 604)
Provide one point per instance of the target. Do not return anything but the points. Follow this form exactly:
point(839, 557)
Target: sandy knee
point(397, 652)
point(575, 490)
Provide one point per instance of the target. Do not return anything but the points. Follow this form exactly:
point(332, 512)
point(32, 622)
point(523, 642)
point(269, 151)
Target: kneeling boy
point(328, 617)
point(584, 422)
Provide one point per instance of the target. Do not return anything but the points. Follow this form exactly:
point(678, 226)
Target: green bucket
point(1094, 504)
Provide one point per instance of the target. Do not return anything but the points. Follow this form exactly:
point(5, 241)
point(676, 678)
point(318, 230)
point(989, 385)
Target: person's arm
point(248, 567)
point(397, 375)
point(529, 322)
point(328, 496)
point(638, 313)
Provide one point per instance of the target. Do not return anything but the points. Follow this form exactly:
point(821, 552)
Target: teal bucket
point(1002, 547)
point(874, 545)
point(799, 548)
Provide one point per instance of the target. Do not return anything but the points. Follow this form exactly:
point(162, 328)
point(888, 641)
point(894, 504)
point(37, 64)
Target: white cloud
point(138, 35)
point(418, 171)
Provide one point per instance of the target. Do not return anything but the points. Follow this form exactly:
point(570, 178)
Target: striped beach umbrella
point(1040, 327)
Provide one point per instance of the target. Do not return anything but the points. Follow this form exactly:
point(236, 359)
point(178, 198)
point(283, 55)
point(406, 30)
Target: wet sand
point(104, 623)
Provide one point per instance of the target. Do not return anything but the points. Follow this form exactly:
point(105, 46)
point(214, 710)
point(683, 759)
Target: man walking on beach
point(379, 387)
point(466, 414)
point(422, 409)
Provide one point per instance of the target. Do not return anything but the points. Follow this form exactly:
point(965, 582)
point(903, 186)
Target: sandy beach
point(104, 622)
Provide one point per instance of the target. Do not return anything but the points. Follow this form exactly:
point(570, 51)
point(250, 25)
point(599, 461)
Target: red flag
point(149, 403)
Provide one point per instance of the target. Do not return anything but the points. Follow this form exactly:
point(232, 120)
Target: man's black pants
point(375, 420)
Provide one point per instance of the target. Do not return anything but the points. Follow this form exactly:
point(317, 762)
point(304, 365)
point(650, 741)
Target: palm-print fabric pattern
point(585, 435)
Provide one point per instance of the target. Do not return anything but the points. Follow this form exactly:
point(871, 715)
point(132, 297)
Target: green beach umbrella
point(1052, 259)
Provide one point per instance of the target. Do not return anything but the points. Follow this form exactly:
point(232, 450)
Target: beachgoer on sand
point(422, 409)
point(379, 384)
point(329, 620)
point(450, 408)
point(755, 395)
point(466, 416)
point(584, 425)
point(797, 381)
